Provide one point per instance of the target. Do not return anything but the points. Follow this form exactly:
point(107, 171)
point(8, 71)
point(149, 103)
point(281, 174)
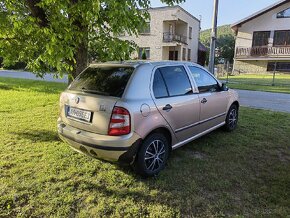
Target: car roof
point(140, 62)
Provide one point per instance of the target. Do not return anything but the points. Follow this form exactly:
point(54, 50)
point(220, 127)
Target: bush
point(144, 57)
point(16, 66)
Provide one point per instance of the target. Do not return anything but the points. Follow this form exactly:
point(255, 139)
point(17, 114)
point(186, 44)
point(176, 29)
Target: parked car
point(138, 113)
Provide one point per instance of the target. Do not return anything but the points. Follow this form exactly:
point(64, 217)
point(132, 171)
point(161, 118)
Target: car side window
point(204, 81)
point(176, 80)
point(159, 87)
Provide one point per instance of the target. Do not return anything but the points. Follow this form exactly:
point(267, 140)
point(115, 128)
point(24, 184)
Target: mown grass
point(245, 173)
point(260, 82)
point(267, 88)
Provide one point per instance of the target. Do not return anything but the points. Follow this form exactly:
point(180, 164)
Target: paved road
point(29, 75)
point(265, 100)
point(255, 99)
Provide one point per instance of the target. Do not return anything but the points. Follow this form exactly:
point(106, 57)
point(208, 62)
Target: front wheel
point(153, 155)
point(232, 118)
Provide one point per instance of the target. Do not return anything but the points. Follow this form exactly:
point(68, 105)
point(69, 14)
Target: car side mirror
point(224, 87)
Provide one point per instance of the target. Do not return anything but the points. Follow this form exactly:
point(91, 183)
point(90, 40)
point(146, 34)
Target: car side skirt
point(197, 136)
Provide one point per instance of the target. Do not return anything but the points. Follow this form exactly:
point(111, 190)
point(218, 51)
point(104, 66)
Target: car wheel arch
point(233, 103)
point(236, 103)
point(164, 131)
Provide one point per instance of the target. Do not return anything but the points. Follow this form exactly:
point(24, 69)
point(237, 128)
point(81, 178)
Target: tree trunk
point(81, 52)
point(81, 57)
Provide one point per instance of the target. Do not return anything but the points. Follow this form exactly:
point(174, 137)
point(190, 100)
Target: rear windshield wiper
point(94, 92)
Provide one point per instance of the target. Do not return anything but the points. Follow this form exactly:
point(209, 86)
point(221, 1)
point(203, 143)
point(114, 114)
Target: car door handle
point(203, 101)
point(167, 107)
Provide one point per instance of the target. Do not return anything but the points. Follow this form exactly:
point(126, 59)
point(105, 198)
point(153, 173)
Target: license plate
point(79, 114)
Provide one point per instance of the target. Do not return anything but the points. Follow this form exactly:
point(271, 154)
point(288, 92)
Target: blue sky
point(230, 11)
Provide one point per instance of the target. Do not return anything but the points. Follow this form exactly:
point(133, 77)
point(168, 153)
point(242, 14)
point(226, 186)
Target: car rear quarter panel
point(145, 117)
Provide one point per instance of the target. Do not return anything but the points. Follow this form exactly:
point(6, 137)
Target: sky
point(230, 11)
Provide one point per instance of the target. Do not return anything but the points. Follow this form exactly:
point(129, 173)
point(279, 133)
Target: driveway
point(29, 75)
point(255, 99)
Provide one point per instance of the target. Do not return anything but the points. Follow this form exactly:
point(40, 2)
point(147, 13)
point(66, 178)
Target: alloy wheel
point(155, 155)
point(233, 117)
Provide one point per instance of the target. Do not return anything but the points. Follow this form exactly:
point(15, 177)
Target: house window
point(190, 33)
point(261, 38)
point(280, 66)
point(184, 54)
point(282, 38)
point(284, 14)
point(189, 54)
point(144, 53)
point(146, 29)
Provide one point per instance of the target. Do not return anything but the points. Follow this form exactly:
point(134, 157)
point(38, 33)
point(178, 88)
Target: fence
point(253, 76)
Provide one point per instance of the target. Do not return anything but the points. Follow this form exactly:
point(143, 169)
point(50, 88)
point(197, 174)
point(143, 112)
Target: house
point(202, 51)
point(263, 40)
point(171, 34)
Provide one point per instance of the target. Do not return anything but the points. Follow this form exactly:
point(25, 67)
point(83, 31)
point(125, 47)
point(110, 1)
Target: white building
point(171, 34)
point(263, 40)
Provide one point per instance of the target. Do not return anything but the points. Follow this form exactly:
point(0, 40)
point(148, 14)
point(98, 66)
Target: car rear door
point(175, 99)
point(213, 101)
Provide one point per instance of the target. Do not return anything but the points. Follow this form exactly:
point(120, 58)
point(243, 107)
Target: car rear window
point(109, 81)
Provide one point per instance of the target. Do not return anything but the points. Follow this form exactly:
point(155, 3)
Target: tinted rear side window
point(176, 80)
point(109, 81)
point(159, 87)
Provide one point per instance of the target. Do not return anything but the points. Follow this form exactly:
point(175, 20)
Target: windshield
point(109, 81)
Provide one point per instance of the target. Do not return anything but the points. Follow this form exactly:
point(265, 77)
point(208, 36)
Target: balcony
point(170, 37)
point(266, 51)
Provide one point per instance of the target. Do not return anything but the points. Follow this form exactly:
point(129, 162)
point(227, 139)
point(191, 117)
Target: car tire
point(152, 155)
point(232, 118)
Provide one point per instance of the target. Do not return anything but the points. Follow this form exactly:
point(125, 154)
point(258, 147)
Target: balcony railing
point(267, 51)
point(170, 37)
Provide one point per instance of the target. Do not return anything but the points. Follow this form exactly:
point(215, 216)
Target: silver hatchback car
point(137, 112)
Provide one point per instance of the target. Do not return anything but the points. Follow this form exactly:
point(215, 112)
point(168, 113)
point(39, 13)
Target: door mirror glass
point(224, 87)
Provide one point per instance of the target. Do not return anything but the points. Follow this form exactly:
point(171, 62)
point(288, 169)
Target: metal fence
point(255, 76)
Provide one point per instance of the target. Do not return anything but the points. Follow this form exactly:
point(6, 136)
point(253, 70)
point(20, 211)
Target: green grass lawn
point(260, 82)
point(244, 174)
point(277, 89)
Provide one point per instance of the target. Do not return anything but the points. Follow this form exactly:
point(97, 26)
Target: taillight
point(120, 123)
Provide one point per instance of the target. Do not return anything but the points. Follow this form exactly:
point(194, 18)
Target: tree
point(226, 46)
point(58, 35)
point(144, 57)
point(225, 42)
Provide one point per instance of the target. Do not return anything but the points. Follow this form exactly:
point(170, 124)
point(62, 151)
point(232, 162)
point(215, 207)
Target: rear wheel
point(232, 118)
point(153, 155)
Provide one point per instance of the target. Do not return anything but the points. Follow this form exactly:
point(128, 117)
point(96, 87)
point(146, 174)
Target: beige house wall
point(251, 66)
point(159, 23)
point(264, 22)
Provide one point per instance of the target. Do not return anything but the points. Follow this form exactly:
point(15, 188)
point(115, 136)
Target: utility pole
point(213, 37)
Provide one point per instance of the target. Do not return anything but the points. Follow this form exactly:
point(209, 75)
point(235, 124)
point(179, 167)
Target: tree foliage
point(57, 35)
point(225, 42)
point(144, 57)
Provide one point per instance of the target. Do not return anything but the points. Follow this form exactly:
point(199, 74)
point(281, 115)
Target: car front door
point(213, 101)
point(175, 99)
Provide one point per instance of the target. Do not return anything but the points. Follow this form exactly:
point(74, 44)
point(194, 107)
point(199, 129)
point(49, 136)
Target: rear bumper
point(111, 148)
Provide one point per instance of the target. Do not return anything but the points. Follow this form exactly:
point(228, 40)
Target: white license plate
point(79, 114)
